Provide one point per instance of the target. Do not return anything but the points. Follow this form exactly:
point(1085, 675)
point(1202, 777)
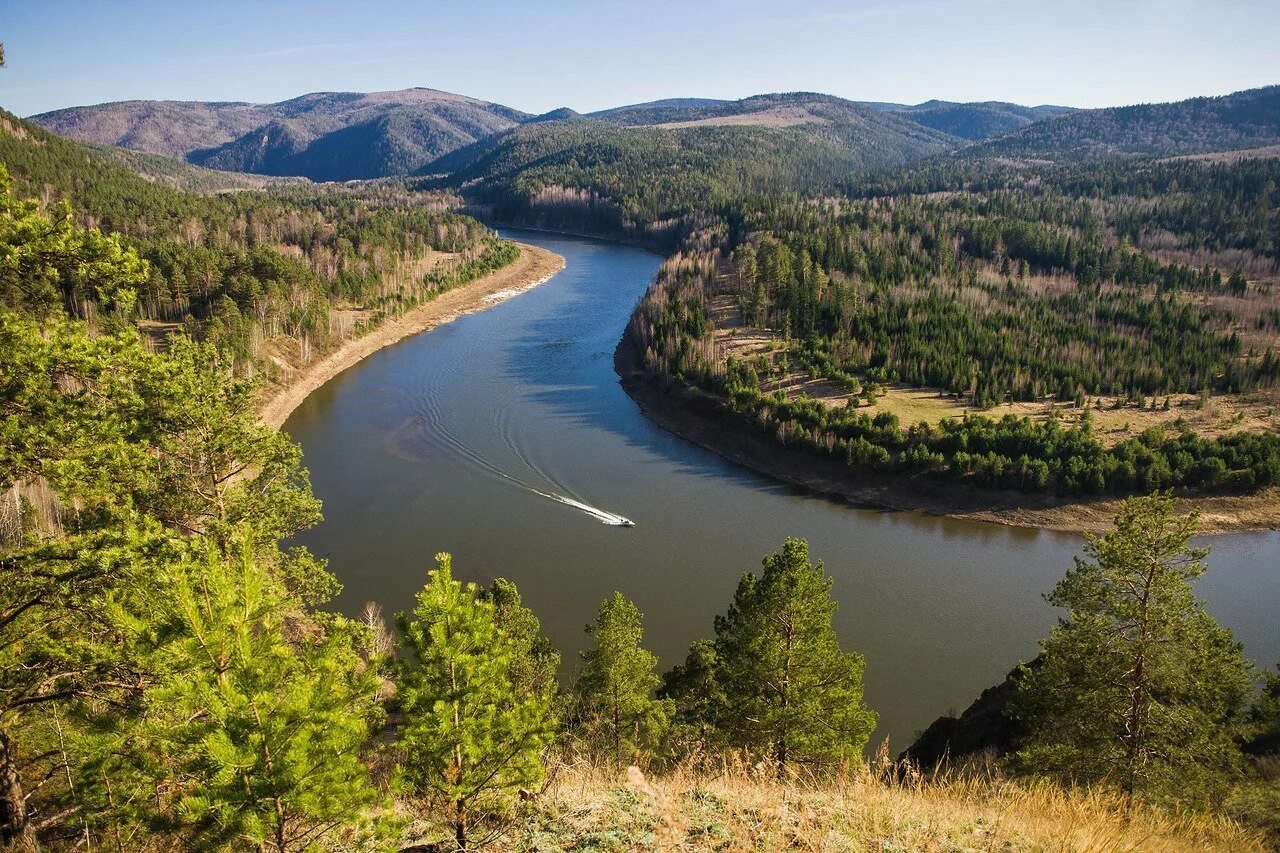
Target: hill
point(974, 121)
point(276, 279)
point(879, 137)
point(655, 112)
point(587, 174)
point(323, 135)
point(185, 176)
point(1247, 119)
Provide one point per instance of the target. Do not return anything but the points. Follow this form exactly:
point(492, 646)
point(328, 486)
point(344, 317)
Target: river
point(462, 439)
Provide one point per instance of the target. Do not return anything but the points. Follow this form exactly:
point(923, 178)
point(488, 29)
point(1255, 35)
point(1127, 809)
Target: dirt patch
point(534, 266)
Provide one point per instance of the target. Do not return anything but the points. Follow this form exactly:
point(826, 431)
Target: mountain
point(973, 121)
point(877, 137)
point(1247, 119)
point(647, 182)
point(323, 135)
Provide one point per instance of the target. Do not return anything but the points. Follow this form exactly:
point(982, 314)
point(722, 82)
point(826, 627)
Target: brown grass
point(742, 808)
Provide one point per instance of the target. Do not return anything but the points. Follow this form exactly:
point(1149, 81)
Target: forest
point(173, 675)
point(170, 677)
point(261, 274)
point(1085, 286)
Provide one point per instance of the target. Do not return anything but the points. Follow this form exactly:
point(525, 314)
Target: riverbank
point(700, 418)
point(534, 267)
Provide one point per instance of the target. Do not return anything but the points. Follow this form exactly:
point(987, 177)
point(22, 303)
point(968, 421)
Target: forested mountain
point(182, 175)
point(879, 137)
point(1245, 119)
point(618, 180)
point(259, 274)
point(974, 121)
point(323, 136)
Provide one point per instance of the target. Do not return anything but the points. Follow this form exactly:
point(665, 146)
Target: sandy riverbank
point(697, 417)
point(534, 266)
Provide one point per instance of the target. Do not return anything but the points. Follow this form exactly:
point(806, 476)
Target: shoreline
point(535, 266)
point(694, 416)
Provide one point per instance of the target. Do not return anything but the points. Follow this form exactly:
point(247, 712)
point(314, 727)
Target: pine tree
point(536, 662)
point(469, 735)
point(616, 712)
point(695, 689)
point(255, 735)
point(789, 689)
point(1264, 716)
point(1138, 686)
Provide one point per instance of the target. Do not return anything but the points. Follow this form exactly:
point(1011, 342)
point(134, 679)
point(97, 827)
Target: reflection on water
point(467, 438)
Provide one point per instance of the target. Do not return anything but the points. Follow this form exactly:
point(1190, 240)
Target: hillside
point(275, 279)
point(975, 121)
point(1247, 119)
point(323, 136)
point(952, 123)
point(181, 175)
point(616, 180)
point(878, 137)
point(732, 808)
point(655, 112)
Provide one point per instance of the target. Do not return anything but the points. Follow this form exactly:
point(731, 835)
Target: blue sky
point(539, 54)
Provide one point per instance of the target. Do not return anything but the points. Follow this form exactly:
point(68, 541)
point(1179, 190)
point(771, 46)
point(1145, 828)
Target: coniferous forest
point(174, 674)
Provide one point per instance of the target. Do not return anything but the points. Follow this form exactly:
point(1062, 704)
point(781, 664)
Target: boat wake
point(606, 517)
point(559, 492)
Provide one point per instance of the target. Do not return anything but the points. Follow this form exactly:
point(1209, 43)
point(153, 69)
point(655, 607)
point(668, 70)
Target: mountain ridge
point(399, 130)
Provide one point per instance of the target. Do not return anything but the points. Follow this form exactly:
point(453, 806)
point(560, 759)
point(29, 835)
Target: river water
point(483, 437)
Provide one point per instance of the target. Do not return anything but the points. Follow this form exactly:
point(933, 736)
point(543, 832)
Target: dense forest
point(1131, 283)
point(623, 181)
point(251, 268)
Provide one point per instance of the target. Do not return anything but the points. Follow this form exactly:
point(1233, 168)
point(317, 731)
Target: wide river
point(469, 438)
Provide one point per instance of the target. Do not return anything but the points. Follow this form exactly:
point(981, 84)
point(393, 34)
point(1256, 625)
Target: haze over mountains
point(345, 136)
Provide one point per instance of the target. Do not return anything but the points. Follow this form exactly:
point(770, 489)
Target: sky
point(538, 55)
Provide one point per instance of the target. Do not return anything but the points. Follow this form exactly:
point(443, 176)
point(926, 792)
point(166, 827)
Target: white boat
point(621, 522)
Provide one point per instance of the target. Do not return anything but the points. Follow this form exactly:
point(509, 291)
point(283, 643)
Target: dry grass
point(740, 808)
point(1222, 413)
point(781, 116)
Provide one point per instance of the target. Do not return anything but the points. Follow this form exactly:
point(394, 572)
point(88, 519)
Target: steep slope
point(324, 135)
point(1245, 119)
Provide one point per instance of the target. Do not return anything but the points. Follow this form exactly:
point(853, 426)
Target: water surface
point(461, 439)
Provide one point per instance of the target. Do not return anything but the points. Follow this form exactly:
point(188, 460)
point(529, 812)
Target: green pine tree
point(695, 690)
point(1138, 686)
point(470, 737)
point(250, 735)
point(789, 689)
point(536, 662)
point(616, 712)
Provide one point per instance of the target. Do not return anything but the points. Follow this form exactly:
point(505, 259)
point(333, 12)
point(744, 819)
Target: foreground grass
point(737, 808)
